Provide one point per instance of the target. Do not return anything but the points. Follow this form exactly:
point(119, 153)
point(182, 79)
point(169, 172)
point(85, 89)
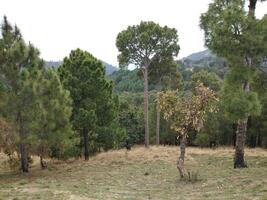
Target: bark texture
point(86, 145)
point(239, 161)
point(180, 162)
point(24, 164)
point(158, 115)
point(239, 146)
point(158, 126)
point(252, 7)
point(146, 106)
point(23, 158)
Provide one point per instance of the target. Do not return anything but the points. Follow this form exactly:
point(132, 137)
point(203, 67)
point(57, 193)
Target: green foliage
point(131, 117)
point(167, 135)
point(110, 137)
point(202, 139)
point(163, 73)
point(257, 132)
point(17, 60)
point(233, 34)
point(83, 75)
point(209, 79)
point(223, 24)
point(128, 81)
point(52, 114)
point(141, 43)
point(236, 102)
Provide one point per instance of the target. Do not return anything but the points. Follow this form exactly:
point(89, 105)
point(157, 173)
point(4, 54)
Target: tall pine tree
point(17, 60)
point(33, 101)
point(93, 105)
point(238, 36)
point(140, 45)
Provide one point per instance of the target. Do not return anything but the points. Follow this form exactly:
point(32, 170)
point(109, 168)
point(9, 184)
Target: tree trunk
point(81, 145)
point(85, 142)
point(158, 125)
point(158, 116)
point(259, 141)
point(24, 165)
point(23, 157)
point(239, 161)
point(146, 106)
point(239, 146)
point(42, 163)
point(252, 7)
point(180, 162)
point(234, 134)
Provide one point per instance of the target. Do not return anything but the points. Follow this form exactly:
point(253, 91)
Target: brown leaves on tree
point(187, 112)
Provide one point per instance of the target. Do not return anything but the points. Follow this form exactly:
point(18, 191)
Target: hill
point(199, 55)
point(142, 174)
point(204, 60)
point(109, 68)
point(55, 64)
point(129, 81)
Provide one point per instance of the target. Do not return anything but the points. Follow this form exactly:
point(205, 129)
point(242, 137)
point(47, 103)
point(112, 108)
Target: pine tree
point(17, 60)
point(93, 104)
point(33, 104)
point(240, 38)
point(140, 45)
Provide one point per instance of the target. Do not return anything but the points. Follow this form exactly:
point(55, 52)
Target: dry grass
point(142, 174)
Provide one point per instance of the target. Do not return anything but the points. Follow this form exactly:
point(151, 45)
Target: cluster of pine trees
point(53, 112)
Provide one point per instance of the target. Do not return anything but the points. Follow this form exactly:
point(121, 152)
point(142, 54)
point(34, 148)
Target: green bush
point(202, 139)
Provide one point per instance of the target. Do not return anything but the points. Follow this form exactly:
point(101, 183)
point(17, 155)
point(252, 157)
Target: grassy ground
point(142, 174)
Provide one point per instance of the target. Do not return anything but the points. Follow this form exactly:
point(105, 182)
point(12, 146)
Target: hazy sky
point(57, 26)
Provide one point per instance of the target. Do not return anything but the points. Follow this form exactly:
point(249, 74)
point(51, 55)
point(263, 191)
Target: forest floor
point(141, 174)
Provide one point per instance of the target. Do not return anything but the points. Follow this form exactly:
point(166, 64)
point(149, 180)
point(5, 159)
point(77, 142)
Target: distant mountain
point(53, 63)
point(109, 68)
point(129, 81)
point(199, 55)
point(203, 60)
point(210, 62)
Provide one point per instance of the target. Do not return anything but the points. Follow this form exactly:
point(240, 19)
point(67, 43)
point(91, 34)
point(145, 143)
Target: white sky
point(56, 27)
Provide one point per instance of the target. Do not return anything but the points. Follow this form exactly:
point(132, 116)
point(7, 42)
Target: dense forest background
point(203, 66)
